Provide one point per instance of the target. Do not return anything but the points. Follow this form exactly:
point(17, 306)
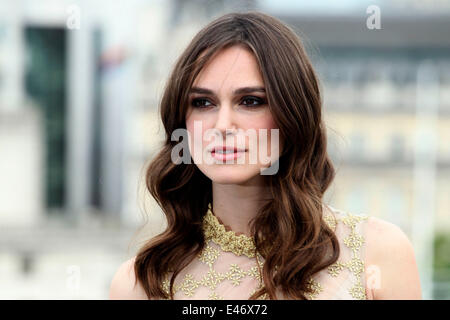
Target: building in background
point(387, 106)
point(80, 83)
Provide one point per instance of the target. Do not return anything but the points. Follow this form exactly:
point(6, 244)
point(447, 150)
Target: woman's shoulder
point(385, 238)
point(124, 285)
point(385, 250)
point(391, 266)
point(376, 233)
point(391, 262)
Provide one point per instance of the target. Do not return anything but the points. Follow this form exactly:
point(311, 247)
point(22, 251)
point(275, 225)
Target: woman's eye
point(252, 101)
point(201, 103)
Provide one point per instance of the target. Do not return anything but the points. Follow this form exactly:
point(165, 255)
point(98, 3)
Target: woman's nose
point(225, 121)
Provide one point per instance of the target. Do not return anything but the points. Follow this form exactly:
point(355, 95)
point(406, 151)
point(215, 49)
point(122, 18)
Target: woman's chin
point(230, 175)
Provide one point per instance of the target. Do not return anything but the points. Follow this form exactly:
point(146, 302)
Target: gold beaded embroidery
point(330, 220)
point(243, 245)
point(212, 278)
point(214, 296)
point(355, 265)
point(227, 240)
point(316, 289)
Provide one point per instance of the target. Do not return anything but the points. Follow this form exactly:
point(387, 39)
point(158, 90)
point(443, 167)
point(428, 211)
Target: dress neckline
point(228, 240)
point(241, 244)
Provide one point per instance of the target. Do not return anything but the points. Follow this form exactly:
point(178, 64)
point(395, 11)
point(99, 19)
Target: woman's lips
point(227, 156)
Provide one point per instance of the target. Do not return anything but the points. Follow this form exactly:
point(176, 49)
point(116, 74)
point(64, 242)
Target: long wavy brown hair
point(289, 230)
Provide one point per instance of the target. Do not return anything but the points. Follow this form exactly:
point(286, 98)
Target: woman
point(255, 229)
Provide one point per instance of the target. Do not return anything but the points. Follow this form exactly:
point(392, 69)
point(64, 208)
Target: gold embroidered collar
point(229, 241)
point(241, 244)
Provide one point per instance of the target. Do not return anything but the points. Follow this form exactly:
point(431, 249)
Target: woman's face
point(229, 93)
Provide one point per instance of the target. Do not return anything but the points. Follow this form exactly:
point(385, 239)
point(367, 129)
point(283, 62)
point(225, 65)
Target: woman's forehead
point(231, 67)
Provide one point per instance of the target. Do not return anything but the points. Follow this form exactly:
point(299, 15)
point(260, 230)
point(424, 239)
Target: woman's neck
point(235, 205)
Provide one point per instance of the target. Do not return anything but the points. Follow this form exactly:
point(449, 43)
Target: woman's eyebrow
point(249, 90)
point(236, 92)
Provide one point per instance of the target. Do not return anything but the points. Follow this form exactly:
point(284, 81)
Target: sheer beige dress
point(227, 267)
